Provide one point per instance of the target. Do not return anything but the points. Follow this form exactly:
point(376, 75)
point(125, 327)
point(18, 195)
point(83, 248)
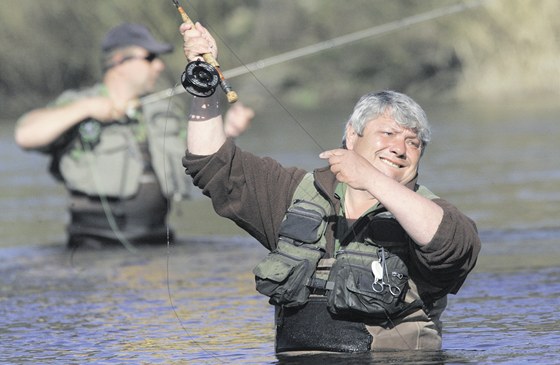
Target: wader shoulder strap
point(425, 192)
point(307, 191)
point(360, 225)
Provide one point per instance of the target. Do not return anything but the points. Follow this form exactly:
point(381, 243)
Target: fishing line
point(107, 208)
point(214, 355)
point(268, 91)
point(379, 30)
point(292, 55)
point(105, 205)
point(168, 255)
point(374, 31)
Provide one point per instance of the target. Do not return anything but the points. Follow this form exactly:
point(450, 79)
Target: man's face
point(395, 151)
point(142, 69)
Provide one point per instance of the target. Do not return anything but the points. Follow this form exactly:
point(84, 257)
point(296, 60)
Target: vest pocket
point(357, 291)
point(305, 222)
point(284, 273)
point(85, 171)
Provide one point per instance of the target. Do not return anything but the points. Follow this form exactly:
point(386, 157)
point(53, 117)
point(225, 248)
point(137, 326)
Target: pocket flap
point(304, 222)
point(361, 283)
point(273, 269)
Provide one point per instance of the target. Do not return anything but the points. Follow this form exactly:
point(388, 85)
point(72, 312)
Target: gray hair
point(405, 111)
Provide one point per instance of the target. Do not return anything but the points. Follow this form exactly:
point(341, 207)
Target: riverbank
point(488, 50)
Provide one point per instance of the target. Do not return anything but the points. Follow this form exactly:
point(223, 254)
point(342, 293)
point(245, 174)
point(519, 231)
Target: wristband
point(204, 108)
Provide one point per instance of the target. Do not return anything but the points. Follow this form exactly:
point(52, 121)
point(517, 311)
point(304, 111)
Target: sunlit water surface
point(194, 302)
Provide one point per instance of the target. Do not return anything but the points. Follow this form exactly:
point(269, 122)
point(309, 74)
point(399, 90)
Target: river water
point(194, 302)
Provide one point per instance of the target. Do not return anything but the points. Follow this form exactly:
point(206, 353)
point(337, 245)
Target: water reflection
point(195, 302)
point(401, 357)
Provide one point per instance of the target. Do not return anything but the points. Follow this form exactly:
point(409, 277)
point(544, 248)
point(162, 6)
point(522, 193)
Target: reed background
point(503, 50)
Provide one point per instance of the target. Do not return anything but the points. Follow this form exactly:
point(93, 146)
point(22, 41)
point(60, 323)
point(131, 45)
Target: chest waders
point(325, 299)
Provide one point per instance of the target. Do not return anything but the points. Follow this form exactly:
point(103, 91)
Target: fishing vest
point(367, 277)
point(106, 160)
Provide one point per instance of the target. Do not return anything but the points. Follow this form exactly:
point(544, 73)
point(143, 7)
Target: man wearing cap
point(117, 158)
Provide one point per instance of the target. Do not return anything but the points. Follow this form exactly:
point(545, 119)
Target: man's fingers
point(184, 27)
point(325, 155)
point(331, 153)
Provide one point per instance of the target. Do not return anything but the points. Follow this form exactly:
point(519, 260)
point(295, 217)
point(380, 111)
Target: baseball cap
point(130, 34)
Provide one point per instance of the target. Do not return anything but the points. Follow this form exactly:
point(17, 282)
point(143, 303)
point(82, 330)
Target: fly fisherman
point(117, 158)
point(361, 257)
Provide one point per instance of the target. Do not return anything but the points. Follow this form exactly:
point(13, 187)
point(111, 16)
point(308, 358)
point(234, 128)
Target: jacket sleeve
point(57, 147)
point(253, 192)
point(443, 264)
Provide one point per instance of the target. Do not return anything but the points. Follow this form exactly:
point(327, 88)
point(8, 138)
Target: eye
point(414, 143)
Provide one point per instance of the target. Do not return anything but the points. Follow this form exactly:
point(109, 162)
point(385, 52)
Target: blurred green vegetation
point(503, 49)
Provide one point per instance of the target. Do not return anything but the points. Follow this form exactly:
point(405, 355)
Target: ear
point(351, 136)
point(115, 60)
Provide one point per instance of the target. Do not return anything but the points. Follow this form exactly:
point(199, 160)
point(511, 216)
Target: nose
point(158, 64)
point(398, 147)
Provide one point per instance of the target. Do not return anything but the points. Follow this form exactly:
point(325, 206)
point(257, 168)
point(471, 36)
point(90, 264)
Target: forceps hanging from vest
point(380, 272)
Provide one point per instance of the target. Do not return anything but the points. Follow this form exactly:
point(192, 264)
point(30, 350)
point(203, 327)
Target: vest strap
point(319, 286)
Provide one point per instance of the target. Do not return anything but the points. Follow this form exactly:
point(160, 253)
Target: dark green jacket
point(255, 193)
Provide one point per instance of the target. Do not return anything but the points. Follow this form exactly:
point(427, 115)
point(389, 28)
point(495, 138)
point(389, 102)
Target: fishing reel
point(200, 78)
point(90, 133)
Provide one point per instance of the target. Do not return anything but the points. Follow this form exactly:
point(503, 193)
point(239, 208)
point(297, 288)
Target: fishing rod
point(201, 78)
point(325, 45)
point(206, 76)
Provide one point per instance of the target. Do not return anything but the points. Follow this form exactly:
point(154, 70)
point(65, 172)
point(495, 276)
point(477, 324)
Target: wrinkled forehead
point(387, 120)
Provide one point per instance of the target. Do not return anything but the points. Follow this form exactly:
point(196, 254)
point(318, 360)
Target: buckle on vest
point(319, 286)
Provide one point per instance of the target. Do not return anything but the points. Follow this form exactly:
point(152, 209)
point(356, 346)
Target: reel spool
point(90, 133)
point(200, 78)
